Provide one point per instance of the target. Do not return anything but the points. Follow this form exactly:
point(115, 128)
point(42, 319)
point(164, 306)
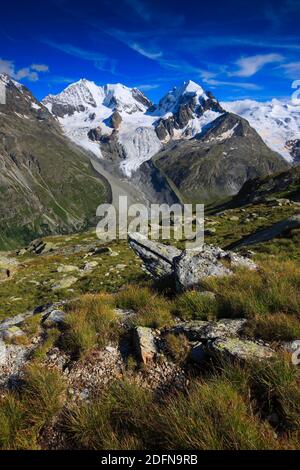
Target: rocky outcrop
point(294, 149)
point(158, 258)
point(189, 267)
point(57, 318)
point(38, 247)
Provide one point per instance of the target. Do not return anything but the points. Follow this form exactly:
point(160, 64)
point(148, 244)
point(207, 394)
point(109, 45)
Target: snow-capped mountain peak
point(189, 90)
point(114, 116)
point(85, 94)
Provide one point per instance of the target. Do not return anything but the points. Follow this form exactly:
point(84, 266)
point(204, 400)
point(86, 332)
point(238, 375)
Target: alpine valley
point(89, 144)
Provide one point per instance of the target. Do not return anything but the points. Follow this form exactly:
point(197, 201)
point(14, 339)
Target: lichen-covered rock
point(65, 283)
point(193, 266)
point(145, 344)
point(11, 333)
point(199, 330)
point(90, 266)
point(240, 349)
point(67, 268)
point(157, 258)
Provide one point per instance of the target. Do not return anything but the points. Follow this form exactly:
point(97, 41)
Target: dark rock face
point(95, 134)
point(217, 162)
point(63, 109)
point(154, 185)
point(141, 98)
point(294, 149)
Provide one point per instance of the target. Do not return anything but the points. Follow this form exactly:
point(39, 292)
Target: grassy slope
point(47, 185)
point(227, 407)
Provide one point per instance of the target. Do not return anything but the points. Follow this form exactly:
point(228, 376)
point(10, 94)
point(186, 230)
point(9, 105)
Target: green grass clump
point(50, 339)
point(193, 305)
point(276, 386)
point(275, 288)
point(91, 321)
point(14, 432)
point(114, 421)
point(213, 416)
point(24, 415)
point(152, 310)
point(177, 347)
point(43, 395)
point(274, 327)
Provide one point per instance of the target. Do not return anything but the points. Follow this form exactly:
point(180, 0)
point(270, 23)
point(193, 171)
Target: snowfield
point(276, 121)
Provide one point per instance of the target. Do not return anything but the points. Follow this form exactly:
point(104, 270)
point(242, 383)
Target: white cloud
point(292, 70)
point(149, 54)
point(244, 85)
point(40, 67)
point(148, 87)
point(30, 73)
point(249, 66)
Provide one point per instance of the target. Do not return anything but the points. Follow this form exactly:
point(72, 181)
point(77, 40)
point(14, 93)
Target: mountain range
point(63, 156)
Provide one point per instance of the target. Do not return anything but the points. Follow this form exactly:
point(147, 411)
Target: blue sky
point(235, 48)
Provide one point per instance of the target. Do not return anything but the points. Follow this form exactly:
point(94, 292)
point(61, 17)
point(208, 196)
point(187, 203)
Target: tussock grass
point(114, 421)
point(274, 327)
point(193, 305)
point(14, 432)
point(177, 347)
point(51, 338)
point(43, 395)
point(24, 415)
point(212, 416)
point(273, 289)
point(152, 310)
point(91, 321)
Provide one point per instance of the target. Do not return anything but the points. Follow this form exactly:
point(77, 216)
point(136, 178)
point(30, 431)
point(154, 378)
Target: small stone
point(145, 344)
point(209, 231)
point(55, 318)
point(234, 218)
point(3, 353)
point(121, 266)
point(12, 333)
point(90, 266)
point(65, 283)
point(65, 268)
